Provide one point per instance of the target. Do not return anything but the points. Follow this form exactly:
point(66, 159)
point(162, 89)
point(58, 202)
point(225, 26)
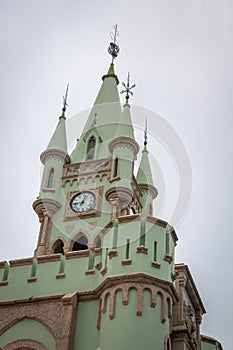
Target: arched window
point(132, 211)
point(80, 244)
point(91, 148)
point(115, 170)
point(50, 178)
point(150, 209)
point(59, 247)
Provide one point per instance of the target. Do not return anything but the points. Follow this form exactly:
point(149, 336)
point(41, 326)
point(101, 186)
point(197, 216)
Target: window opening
point(132, 211)
point(116, 163)
point(127, 248)
point(50, 179)
point(59, 248)
point(91, 148)
point(155, 250)
point(80, 244)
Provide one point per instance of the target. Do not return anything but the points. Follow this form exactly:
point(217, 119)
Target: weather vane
point(113, 48)
point(128, 89)
point(145, 133)
point(65, 101)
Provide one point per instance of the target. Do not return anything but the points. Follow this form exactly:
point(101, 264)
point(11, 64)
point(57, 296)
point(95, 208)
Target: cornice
point(111, 76)
point(47, 206)
point(123, 141)
point(55, 153)
point(150, 189)
point(182, 269)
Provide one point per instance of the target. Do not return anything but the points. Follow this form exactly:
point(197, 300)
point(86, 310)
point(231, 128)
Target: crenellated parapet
point(139, 282)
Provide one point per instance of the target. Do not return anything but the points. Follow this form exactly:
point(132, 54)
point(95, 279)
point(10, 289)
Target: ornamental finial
point(128, 89)
point(145, 134)
point(113, 48)
point(65, 102)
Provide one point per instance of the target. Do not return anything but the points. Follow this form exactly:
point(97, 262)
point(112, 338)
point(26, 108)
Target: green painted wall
point(128, 331)
point(86, 332)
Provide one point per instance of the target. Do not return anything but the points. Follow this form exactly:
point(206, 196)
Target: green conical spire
point(108, 92)
point(58, 140)
point(125, 127)
point(144, 175)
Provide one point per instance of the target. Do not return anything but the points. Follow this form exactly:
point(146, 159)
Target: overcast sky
point(180, 56)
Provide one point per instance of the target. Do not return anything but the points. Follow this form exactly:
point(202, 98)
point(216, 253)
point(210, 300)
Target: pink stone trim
point(126, 262)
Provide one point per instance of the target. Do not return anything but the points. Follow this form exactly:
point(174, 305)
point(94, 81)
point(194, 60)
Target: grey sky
point(180, 56)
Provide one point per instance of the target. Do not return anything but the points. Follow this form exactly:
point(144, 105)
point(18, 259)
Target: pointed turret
point(145, 179)
point(48, 201)
point(58, 140)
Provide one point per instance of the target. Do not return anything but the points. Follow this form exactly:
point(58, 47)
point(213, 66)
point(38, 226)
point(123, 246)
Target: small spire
point(145, 134)
point(113, 48)
point(65, 102)
point(128, 89)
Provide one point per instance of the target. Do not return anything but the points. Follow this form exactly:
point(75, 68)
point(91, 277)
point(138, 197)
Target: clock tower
point(102, 276)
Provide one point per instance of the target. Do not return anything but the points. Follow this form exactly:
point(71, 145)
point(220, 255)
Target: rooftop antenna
point(113, 48)
point(128, 88)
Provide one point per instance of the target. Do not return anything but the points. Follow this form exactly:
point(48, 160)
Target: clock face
point(82, 202)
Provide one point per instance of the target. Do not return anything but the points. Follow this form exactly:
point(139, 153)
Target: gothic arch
point(25, 344)
point(77, 236)
point(167, 342)
point(55, 242)
point(91, 146)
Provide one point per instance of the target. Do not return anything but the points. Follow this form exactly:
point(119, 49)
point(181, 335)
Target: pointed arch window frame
point(91, 153)
point(51, 188)
point(115, 173)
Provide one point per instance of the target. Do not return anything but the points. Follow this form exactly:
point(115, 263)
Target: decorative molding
point(124, 142)
point(104, 271)
point(185, 278)
point(155, 264)
point(129, 218)
point(142, 249)
point(48, 258)
point(111, 76)
point(157, 221)
point(119, 192)
point(166, 299)
point(126, 262)
point(98, 266)
point(55, 154)
point(45, 206)
point(24, 344)
point(20, 262)
point(90, 272)
point(89, 169)
point(77, 254)
point(168, 258)
point(3, 283)
point(152, 190)
point(112, 253)
point(32, 279)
